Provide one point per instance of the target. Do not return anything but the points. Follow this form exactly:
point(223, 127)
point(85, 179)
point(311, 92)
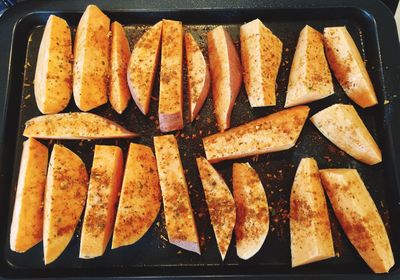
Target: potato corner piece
point(310, 230)
point(53, 74)
point(65, 196)
point(142, 66)
point(221, 205)
point(27, 220)
point(226, 74)
point(342, 125)
point(91, 59)
point(310, 78)
point(348, 66)
point(104, 185)
point(261, 53)
point(140, 199)
point(358, 216)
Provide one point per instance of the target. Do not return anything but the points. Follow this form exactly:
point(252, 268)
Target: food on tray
point(140, 199)
point(357, 214)
point(65, 196)
point(310, 78)
point(276, 132)
point(74, 126)
point(310, 230)
point(342, 125)
point(252, 221)
point(91, 59)
point(221, 205)
point(119, 92)
point(27, 220)
point(348, 66)
point(104, 185)
point(143, 65)
point(226, 74)
point(53, 75)
point(261, 53)
point(198, 76)
point(179, 218)
point(170, 106)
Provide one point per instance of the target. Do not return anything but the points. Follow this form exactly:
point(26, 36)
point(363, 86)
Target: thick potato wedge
point(261, 53)
point(342, 125)
point(348, 66)
point(91, 59)
point(310, 78)
point(252, 221)
point(179, 218)
point(74, 126)
point(104, 185)
point(65, 196)
point(198, 75)
point(140, 199)
point(170, 106)
point(27, 220)
point(53, 74)
point(119, 94)
point(226, 74)
point(276, 132)
point(310, 229)
point(143, 65)
point(221, 205)
point(358, 216)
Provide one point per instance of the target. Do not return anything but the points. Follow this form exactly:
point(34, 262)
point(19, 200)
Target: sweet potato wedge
point(104, 185)
point(342, 125)
point(221, 205)
point(53, 74)
point(358, 216)
point(252, 214)
point(140, 199)
point(261, 53)
point(310, 78)
point(276, 132)
point(27, 220)
point(142, 66)
point(74, 126)
point(226, 74)
point(179, 218)
point(65, 197)
point(91, 59)
point(348, 66)
point(310, 229)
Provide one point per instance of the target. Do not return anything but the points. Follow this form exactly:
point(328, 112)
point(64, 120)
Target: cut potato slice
point(310, 229)
point(179, 218)
point(261, 53)
point(143, 65)
point(310, 78)
point(53, 75)
point(74, 126)
point(252, 221)
point(140, 199)
point(27, 221)
point(343, 127)
point(65, 196)
point(198, 76)
point(348, 66)
point(226, 74)
point(104, 185)
point(357, 214)
point(91, 59)
point(221, 205)
point(170, 106)
point(276, 132)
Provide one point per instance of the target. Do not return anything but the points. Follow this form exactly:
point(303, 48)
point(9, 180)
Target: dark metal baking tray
point(371, 25)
